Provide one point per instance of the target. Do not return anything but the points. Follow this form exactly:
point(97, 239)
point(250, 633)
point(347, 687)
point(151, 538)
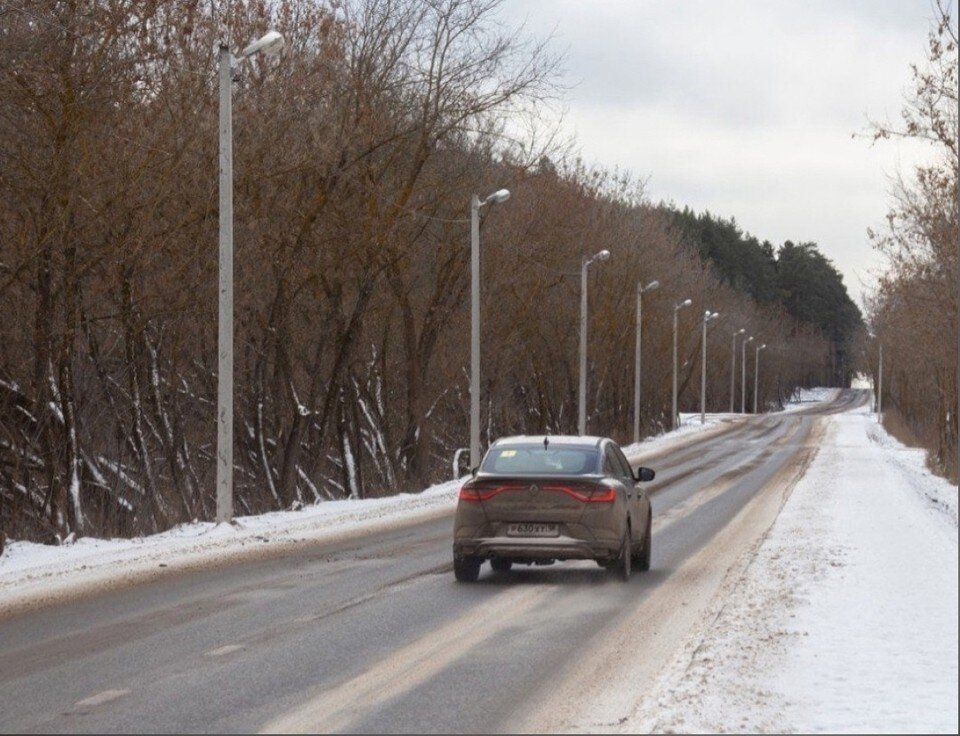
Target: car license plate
point(533, 529)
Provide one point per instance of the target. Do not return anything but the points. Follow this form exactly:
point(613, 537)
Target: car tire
point(466, 568)
point(625, 563)
point(642, 560)
point(499, 564)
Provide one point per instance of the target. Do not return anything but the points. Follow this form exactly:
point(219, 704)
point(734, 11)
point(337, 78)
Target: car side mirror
point(644, 475)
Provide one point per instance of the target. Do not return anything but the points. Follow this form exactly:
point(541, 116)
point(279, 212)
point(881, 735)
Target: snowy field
point(845, 618)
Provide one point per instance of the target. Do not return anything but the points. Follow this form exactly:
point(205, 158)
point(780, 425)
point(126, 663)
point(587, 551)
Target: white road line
point(100, 698)
point(221, 651)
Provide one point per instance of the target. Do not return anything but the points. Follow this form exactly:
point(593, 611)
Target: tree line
point(914, 312)
point(796, 276)
point(356, 153)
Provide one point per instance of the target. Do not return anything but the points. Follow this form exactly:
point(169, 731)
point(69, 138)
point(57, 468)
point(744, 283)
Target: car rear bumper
point(534, 548)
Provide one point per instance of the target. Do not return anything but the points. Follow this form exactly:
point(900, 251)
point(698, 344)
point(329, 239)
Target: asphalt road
point(373, 634)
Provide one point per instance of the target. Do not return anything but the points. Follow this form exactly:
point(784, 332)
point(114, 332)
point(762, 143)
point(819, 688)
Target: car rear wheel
point(624, 566)
point(466, 568)
point(501, 565)
point(642, 560)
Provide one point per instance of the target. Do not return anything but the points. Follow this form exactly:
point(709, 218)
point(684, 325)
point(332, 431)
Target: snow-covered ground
point(804, 397)
point(845, 617)
point(690, 426)
point(35, 572)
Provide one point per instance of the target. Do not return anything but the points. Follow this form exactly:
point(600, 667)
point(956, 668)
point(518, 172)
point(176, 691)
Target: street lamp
point(582, 409)
point(476, 204)
point(743, 375)
point(636, 374)
point(707, 317)
point(756, 375)
point(676, 308)
point(733, 364)
point(269, 44)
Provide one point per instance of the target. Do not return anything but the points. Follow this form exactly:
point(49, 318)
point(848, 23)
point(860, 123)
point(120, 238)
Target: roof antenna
point(546, 442)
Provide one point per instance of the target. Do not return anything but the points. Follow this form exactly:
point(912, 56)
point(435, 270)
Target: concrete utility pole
point(270, 43)
point(675, 420)
point(756, 376)
point(636, 372)
point(582, 404)
point(743, 375)
point(476, 204)
point(733, 366)
point(707, 317)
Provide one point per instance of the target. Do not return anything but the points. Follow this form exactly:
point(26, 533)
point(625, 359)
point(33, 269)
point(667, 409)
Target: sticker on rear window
point(508, 453)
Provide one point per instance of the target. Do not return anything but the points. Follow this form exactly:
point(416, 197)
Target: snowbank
point(844, 619)
point(36, 572)
point(804, 397)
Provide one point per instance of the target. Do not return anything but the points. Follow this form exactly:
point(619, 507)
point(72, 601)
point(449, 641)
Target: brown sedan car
point(536, 500)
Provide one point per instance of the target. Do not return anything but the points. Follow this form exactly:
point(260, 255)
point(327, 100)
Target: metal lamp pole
point(582, 408)
point(636, 374)
point(743, 375)
point(270, 43)
point(677, 307)
point(756, 375)
point(707, 317)
point(476, 204)
point(733, 365)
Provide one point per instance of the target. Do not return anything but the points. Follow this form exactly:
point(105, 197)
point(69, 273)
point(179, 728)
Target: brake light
point(598, 494)
point(468, 494)
point(603, 494)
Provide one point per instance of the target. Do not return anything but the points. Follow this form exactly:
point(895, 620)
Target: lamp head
point(498, 197)
point(270, 43)
point(651, 286)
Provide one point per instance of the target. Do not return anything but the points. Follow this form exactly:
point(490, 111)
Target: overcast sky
point(745, 108)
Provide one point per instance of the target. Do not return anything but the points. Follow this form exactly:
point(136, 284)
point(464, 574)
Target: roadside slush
point(844, 619)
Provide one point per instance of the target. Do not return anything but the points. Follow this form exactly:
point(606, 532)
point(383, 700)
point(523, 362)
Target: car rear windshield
point(537, 460)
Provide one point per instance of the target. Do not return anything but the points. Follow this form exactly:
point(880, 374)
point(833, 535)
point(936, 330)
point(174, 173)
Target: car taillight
point(603, 494)
point(468, 494)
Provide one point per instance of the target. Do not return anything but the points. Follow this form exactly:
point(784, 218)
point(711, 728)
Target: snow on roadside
point(689, 425)
point(29, 570)
point(844, 619)
point(803, 397)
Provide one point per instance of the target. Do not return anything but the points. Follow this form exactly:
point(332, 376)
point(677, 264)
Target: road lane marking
point(100, 698)
point(221, 651)
point(402, 671)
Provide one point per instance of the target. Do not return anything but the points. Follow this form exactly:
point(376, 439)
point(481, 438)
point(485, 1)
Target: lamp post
point(733, 365)
point(270, 43)
point(636, 373)
point(676, 308)
point(743, 375)
point(756, 375)
point(708, 316)
point(582, 408)
point(476, 204)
